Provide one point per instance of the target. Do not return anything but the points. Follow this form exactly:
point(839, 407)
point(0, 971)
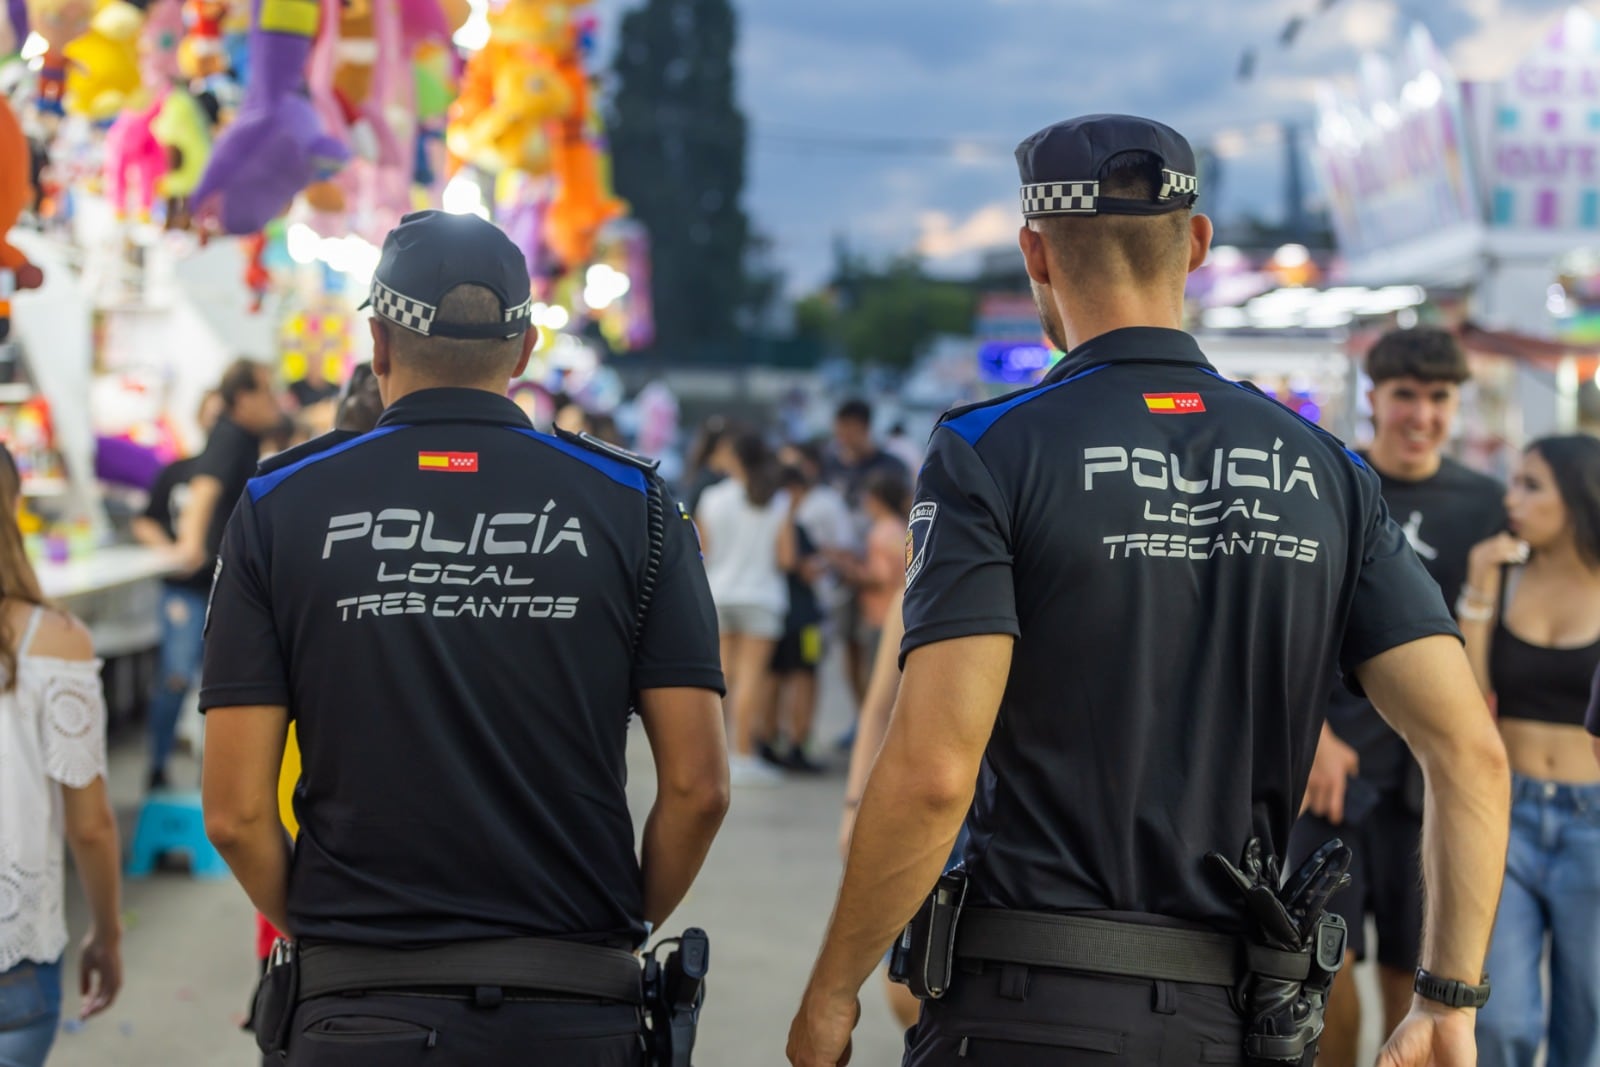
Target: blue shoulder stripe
point(617, 471)
point(974, 424)
point(260, 487)
point(1355, 457)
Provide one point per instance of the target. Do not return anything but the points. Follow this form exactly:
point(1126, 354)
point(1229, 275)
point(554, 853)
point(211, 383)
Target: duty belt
point(1122, 949)
point(530, 963)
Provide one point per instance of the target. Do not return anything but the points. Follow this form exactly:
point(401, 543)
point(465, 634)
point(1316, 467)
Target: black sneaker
point(771, 755)
point(797, 760)
point(158, 781)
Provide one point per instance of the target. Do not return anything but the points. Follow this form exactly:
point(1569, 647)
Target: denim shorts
point(30, 1009)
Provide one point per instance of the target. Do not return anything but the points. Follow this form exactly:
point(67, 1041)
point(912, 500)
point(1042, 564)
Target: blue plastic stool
point(173, 822)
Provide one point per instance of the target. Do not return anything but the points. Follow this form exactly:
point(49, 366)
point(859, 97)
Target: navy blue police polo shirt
point(1184, 563)
point(447, 607)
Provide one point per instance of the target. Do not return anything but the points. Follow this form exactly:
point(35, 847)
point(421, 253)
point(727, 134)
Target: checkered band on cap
point(1060, 198)
point(414, 315)
point(523, 312)
point(1175, 184)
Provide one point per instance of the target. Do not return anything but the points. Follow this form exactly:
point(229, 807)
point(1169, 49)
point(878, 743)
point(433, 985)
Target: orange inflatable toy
point(16, 190)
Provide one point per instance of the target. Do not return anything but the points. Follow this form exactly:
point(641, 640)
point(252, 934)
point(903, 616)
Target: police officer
point(458, 612)
point(1125, 588)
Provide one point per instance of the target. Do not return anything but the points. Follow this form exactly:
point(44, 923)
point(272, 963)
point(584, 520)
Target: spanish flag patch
point(1173, 403)
point(455, 462)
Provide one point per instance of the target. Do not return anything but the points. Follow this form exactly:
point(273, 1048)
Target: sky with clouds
point(890, 123)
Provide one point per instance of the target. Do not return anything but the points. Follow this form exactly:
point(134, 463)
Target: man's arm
point(1426, 691)
point(148, 531)
point(239, 789)
point(194, 525)
point(915, 800)
point(691, 756)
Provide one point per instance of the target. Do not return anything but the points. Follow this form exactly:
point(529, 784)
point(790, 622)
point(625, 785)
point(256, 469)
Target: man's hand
point(820, 1033)
point(1331, 771)
point(1432, 1035)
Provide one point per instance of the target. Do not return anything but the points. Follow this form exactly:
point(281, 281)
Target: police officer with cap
point(458, 614)
point(1125, 589)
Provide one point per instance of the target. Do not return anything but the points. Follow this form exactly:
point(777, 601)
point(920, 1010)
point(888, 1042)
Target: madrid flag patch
point(1174, 403)
point(453, 462)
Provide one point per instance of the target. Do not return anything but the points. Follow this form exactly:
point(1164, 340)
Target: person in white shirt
point(747, 537)
point(52, 784)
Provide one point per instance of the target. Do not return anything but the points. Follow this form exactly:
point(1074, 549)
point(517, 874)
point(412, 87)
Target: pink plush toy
point(135, 162)
point(158, 44)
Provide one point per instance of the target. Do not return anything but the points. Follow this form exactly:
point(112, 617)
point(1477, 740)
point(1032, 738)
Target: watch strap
point(1450, 991)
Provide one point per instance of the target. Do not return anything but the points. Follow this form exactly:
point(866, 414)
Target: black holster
point(272, 1011)
point(1284, 1007)
point(923, 959)
point(674, 990)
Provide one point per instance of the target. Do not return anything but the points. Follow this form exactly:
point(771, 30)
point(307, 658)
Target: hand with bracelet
point(1480, 597)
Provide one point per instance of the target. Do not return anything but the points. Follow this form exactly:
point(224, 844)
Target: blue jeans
point(30, 1008)
point(183, 620)
point(1552, 887)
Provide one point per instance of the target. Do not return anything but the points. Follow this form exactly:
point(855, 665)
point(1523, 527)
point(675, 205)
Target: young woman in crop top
point(1530, 614)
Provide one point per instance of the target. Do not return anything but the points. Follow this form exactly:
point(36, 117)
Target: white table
point(116, 592)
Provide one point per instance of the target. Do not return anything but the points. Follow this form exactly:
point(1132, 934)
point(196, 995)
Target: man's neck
point(398, 387)
point(1391, 466)
point(1083, 320)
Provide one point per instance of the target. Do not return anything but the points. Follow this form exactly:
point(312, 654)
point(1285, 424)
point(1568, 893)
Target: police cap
point(1061, 167)
point(432, 252)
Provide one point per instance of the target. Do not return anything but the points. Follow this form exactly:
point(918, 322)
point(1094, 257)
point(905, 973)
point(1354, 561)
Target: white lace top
point(52, 733)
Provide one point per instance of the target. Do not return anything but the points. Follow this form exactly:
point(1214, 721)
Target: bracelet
point(1474, 596)
point(1467, 611)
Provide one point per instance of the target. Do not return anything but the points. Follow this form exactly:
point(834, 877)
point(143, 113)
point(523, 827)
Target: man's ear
point(1200, 234)
point(1033, 255)
point(530, 341)
point(381, 362)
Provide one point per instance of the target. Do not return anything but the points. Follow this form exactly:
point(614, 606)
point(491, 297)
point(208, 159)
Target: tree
point(887, 314)
point(678, 152)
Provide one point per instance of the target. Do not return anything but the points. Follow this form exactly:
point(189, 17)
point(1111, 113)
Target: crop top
point(1537, 682)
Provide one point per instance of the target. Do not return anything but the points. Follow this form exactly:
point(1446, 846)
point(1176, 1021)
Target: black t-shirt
point(850, 479)
point(1443, 517)
point(1184, 563)
point(447, 607)
point(230, 456)
point(167, 497)
point(305, 394)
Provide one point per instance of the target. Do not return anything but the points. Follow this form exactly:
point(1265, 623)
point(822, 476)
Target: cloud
point(889, 123)
point(991, 226)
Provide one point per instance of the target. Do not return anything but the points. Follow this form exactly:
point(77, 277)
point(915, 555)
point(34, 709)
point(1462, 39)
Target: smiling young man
point(1365, 788)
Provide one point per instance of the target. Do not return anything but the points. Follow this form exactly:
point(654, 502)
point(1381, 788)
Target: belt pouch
point(923, 959)
point(276, 997)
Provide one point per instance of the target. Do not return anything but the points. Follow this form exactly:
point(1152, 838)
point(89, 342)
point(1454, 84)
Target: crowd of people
point(804, 548)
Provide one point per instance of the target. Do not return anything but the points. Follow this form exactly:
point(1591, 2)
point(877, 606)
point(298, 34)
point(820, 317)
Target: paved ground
point(764, 895)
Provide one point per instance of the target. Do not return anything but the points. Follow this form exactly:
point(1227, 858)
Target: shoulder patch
point(918, 526)
point(606, 448)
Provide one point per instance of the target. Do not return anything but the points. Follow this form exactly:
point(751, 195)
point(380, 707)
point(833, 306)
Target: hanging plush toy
point(184, 131)
point(16, 189)
point(103, 64)
point(201, 54)
point(276, 145)
point(57, 21)
point(158, 44)
point(511, 91)
point(134, 162)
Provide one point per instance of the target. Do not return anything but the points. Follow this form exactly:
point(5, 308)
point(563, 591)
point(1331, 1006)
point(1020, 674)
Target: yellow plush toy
point(184, 130)
point(103, 64)
point(511, 90)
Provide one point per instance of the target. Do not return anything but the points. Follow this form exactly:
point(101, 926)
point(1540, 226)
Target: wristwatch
point(1450, 991)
